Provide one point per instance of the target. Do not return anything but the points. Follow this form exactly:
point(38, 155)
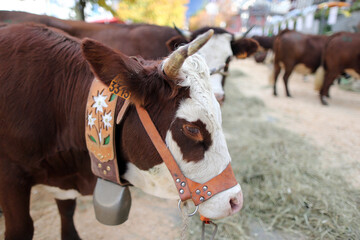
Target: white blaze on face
point(215, 52)
point(202, 105)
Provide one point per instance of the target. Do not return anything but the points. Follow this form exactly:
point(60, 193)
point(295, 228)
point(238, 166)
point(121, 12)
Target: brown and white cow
point(341, 54)
point(296, 51)
point(45, 77)
point(219, 51)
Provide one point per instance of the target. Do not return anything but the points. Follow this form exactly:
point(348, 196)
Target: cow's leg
point(276, 74)
point(288, 69)
point(328, 81)
point(66, 210)
point(15, 203)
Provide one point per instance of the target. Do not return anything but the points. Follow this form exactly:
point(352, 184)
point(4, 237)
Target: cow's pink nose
point(236, 203)
point(220, 98)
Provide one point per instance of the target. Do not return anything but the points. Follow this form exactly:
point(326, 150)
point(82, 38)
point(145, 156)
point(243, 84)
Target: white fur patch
point(62, 194)
point(302, 69)
point(299, 68)
point(215, 52)
point(352, 73)
point(156, 181)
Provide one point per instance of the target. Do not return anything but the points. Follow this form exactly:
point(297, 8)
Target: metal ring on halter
point(191, 214)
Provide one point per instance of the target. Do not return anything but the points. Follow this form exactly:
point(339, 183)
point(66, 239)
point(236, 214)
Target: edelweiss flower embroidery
point(99, 102)
point(91, 120)
point(106, 118)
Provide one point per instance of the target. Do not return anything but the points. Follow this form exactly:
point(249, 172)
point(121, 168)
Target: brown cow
point(148, 41)
point(45, 77)
point(293, 49)
point(341, 54)
point(266, 43)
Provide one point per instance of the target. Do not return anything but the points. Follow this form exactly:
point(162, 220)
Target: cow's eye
point(192, 132)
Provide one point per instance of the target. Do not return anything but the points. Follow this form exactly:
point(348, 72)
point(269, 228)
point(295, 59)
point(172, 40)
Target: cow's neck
point(72, 103)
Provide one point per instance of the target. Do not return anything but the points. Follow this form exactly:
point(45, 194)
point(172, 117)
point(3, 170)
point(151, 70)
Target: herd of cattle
point(47, 66)
point(327, 56)
point(331, 55)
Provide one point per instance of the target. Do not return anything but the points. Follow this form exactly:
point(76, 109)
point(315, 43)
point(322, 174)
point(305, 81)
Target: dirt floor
point(336, 128)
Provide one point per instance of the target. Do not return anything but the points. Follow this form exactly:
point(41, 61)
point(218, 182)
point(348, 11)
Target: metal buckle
point(191, 214)
point(203, 230)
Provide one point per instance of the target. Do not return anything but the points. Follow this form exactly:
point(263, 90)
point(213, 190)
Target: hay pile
point(287, 195)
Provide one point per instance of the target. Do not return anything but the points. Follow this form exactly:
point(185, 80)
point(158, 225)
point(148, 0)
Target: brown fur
point(45, 80)
point(146, 40)
point(265, 42)
point(342, 51)
point(292, 48)
point(193, 150)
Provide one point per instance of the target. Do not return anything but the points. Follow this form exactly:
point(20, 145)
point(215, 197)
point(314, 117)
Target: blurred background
point(268, 16)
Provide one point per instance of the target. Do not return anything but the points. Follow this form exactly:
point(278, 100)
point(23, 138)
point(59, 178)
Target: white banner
point(299, 24)
point(333, 15)
point(266, 30)
point(309, 21)
point(291, 24)
point(276, 29)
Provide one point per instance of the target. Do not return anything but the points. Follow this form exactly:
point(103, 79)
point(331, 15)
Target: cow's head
point(178, 96)
point(222, 46)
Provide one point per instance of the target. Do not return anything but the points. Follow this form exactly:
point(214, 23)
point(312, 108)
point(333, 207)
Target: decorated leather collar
point(100, 131)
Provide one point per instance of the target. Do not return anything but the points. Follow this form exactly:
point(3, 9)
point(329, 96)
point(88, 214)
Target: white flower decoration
point(99, 102)
point(106, 118)
point(91, 120)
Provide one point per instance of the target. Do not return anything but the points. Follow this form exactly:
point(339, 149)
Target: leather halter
point(187, 188)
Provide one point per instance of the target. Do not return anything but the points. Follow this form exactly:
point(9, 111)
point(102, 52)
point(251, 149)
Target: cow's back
point(343, 51)
point(42, 75)
point(146, 40)
point(297, 48)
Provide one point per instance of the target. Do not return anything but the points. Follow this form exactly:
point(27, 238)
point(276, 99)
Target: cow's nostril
point(220, 98)
point(236, 203)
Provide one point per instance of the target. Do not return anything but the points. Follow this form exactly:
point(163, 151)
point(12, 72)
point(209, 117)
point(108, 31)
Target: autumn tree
point(81, 4)
point(160, 12)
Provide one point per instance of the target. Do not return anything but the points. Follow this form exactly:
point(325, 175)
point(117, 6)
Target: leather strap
point(165, 154)
point(187, 188)
point(225, 180)
point(122, 111)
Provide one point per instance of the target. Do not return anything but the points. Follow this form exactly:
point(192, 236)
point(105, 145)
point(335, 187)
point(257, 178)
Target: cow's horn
point(238, 36)
point(184, 33)
point(173, 64)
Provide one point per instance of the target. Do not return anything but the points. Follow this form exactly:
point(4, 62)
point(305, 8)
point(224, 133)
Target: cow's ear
point(108, 64)
point(244, 47)
point(175, 42)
